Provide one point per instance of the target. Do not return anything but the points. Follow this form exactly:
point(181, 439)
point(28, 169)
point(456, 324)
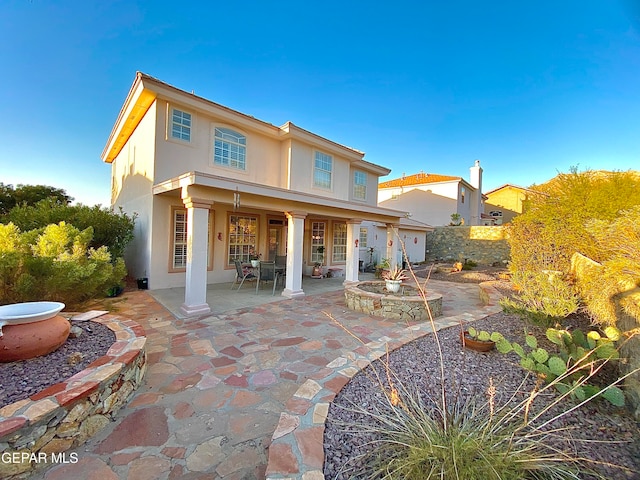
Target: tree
point(30, 195)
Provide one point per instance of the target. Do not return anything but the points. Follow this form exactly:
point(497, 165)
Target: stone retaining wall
point(36, 432)
point(483, 245)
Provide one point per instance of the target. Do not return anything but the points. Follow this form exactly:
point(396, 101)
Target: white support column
point(195, 292)
point(353, 251)
point(295, 243)
point(392, 246)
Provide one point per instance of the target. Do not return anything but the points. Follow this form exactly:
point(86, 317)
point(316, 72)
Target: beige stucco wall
point(432, 204)
point(509, 200)
point(132, 173)
point(377, 238)
point(425, 207)
point(264, 163)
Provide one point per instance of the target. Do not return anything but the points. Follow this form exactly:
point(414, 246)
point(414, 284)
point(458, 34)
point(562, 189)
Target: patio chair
point(281, 266)
point(242, 274)
point(267, 273)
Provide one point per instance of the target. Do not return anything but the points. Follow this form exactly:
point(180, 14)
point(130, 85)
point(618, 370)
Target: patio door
point(277, 238)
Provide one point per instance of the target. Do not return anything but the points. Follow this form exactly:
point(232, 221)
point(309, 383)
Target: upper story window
point(229, 148)
point(322, 170)
point(180, 125)
point(360, 185)
point(462, 192)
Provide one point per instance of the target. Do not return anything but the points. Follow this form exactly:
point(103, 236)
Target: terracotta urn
point(475, 344)
point(29, 340)
point(31, 329)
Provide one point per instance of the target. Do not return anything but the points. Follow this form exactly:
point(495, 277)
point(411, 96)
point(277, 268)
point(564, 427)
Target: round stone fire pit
point(31, 329)
point(407, 305)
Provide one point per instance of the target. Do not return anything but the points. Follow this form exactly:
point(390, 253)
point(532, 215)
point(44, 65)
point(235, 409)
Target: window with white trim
point(318, 241)
point(243, 238)
point(322, 171)
point(360, 185)
point(229, 148)
point(180, 125)
point(363, 236)
point(339, 253)
point(179, 239)
point(179, 257)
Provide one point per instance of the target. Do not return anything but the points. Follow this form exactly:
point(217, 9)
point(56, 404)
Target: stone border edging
point(296, 451)
point(66, 414)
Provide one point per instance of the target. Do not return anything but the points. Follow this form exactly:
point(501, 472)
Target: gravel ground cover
point(468, 373)
point(19, 380)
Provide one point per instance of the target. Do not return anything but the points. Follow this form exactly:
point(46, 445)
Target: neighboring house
point(432, 199)
point(506, 202)
point(211, 185)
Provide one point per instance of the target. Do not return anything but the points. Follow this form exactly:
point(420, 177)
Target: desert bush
point(111, 229)
point(571, 213)
point(54, 263)
point(619, 243)
point(544, 298)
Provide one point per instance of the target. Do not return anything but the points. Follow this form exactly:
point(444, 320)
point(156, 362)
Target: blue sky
point(528, 88)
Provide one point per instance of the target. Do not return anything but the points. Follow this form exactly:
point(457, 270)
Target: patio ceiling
point(221, 190)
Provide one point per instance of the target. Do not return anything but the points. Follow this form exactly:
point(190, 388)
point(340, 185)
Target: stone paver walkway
point(216, 385)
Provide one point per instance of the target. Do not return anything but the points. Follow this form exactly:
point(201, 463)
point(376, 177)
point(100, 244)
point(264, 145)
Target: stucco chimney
point(475, 179)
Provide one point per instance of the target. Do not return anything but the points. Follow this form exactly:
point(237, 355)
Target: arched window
point(229, 148)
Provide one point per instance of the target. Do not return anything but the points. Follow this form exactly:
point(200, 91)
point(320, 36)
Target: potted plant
point(393, 279)
point(254, 258)
point(317, 267)
point(381, 267)
point(478, 340)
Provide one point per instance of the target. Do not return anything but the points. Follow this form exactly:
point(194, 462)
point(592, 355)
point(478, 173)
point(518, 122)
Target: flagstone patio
point(218, 385)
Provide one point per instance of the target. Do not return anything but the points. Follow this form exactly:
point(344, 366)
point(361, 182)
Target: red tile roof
point(418, 179)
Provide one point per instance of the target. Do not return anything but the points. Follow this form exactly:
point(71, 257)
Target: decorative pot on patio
point(255, 263)
point(31, 329)
point(393, 286)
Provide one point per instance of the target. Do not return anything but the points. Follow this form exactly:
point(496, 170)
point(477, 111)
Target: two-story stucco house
point(211, 185)
point(505, 203)
point(432, 198)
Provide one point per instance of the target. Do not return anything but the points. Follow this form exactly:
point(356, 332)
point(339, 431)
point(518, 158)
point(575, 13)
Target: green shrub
point(544, 298)
point(54, 263)
point(111, 229)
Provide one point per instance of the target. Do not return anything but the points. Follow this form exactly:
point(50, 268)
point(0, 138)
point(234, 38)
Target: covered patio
point(210, 201)
point(225, 298)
